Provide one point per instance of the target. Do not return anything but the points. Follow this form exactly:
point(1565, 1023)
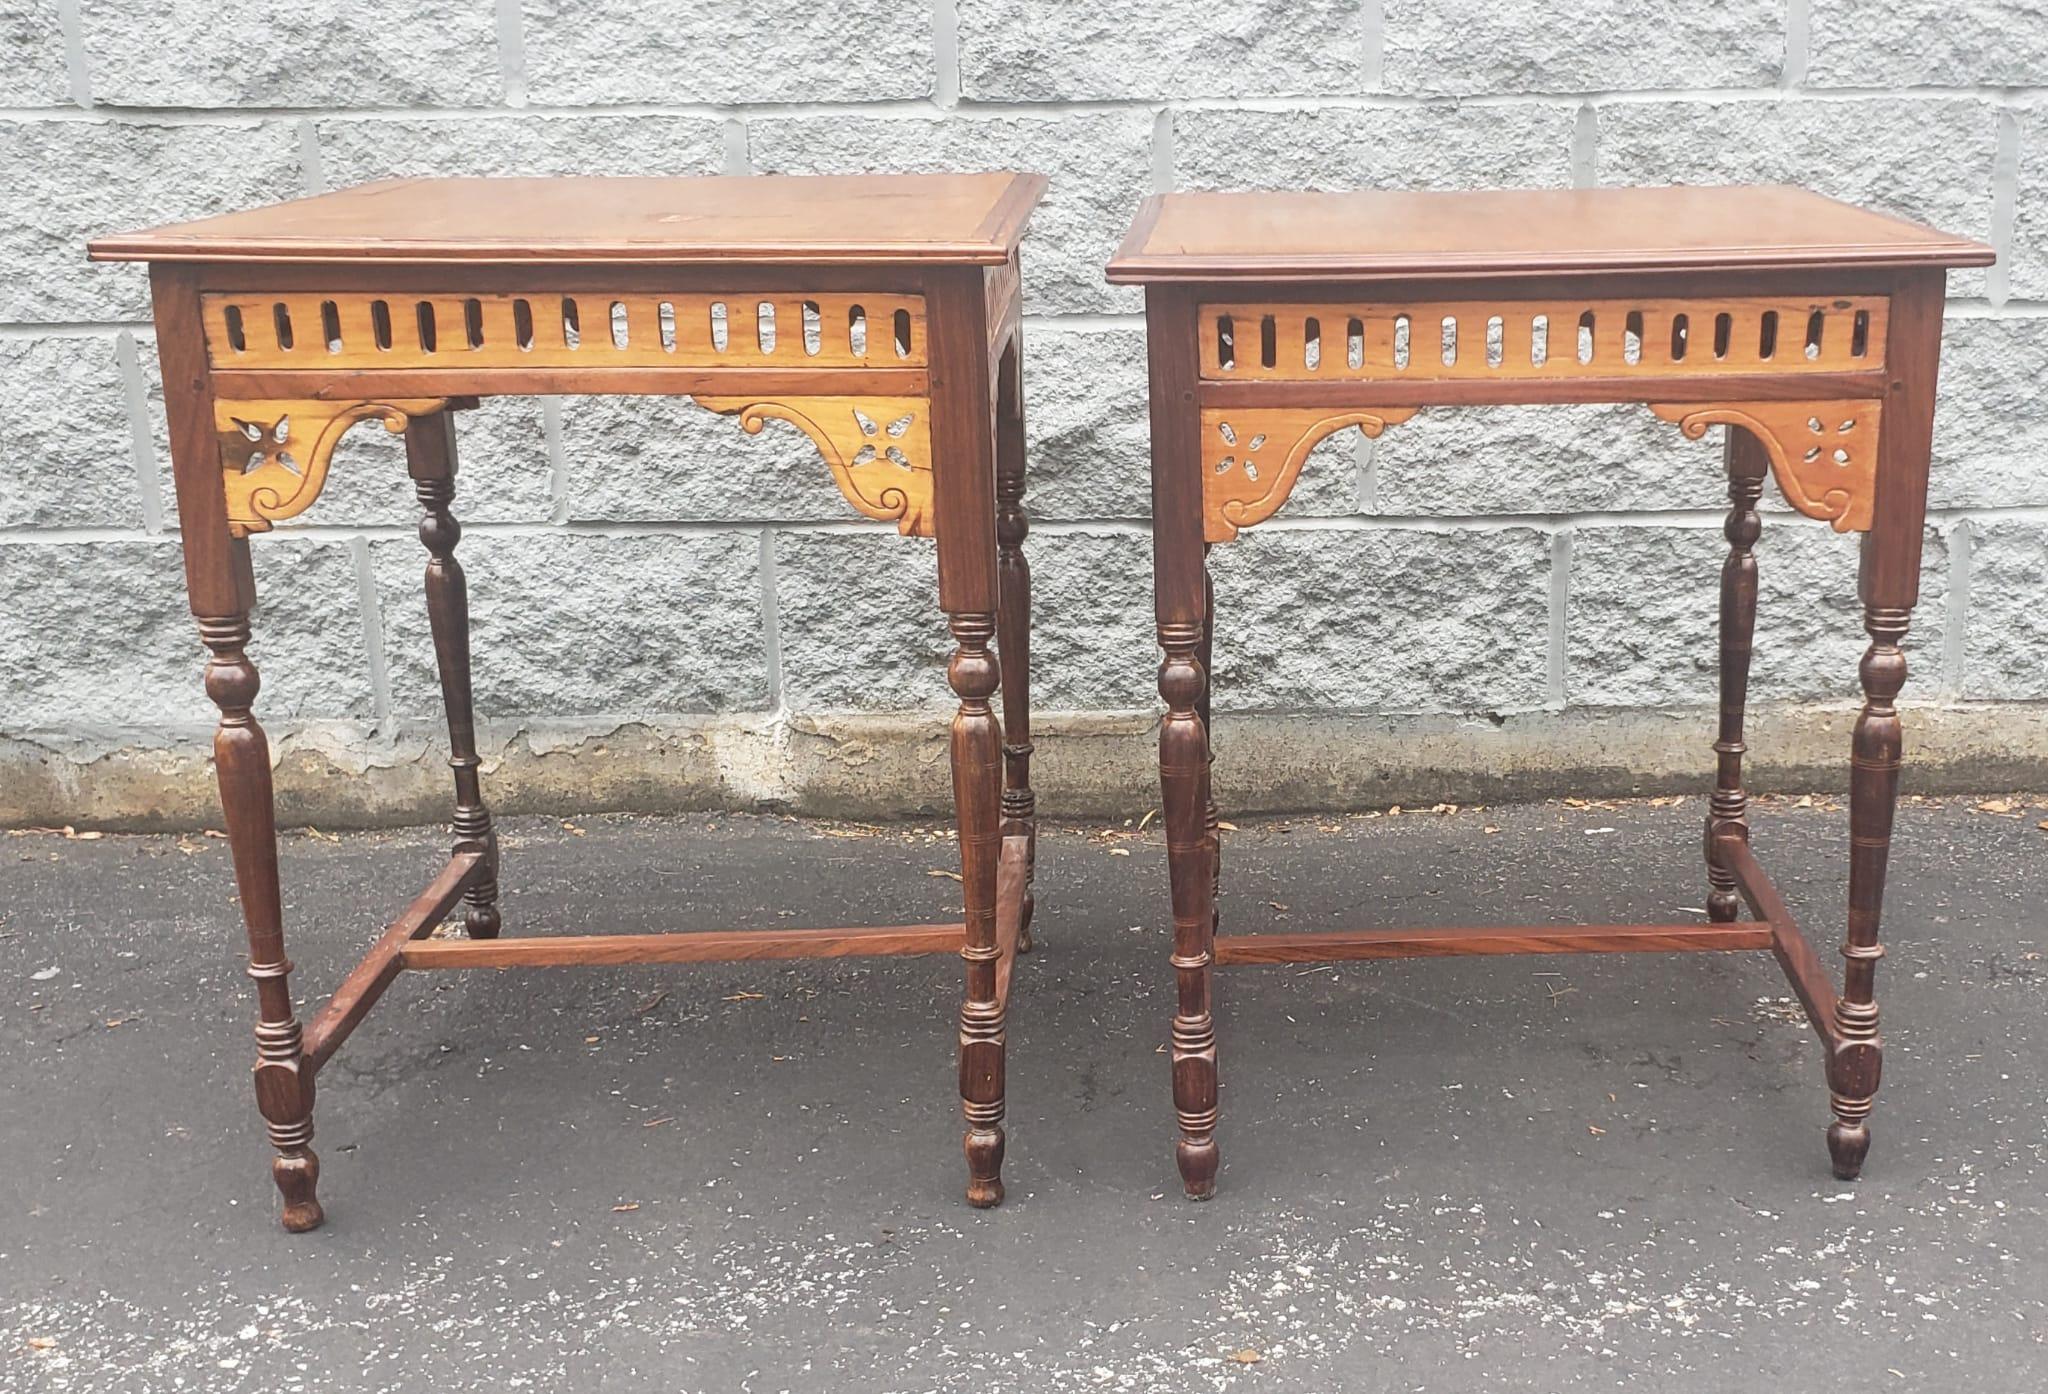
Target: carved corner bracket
point(1252, 456)
point(1823, 454)
point(274, 453)
point(879, 449)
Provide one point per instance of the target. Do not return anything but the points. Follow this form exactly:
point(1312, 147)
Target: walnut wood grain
point(928, 219)
point(1221, 238)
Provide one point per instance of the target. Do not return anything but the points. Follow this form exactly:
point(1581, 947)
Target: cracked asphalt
point(1508, 1173)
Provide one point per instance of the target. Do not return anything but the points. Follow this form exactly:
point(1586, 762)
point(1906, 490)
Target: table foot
point(297, 1174)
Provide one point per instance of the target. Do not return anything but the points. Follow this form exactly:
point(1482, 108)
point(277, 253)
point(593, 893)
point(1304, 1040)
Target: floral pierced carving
point(1252, 456)
point(274, 454)
point(1823, 454)
point(878, 448)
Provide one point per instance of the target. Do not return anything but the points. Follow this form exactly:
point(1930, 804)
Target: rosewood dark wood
point(1337, 946)
point(1889, 580)
point(221, 587)
point(430, 457)
point(1180, 594)
point(921, 275)
point(705, 946)
point(365, 983)
point(963, 433)
point(1803, 968)
point(1013, 621)
point(1748, 466)
point(1714, 307)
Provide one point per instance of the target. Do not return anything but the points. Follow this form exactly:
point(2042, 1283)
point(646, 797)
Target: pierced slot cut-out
point(1859, 335)
point(258, 331)
point(1468, 339)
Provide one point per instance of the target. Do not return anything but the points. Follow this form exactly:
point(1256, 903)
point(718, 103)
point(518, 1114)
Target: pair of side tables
point(881, 317)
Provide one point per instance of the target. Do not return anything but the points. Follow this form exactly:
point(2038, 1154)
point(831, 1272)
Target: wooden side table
point(880, 316)
point(1810, 329)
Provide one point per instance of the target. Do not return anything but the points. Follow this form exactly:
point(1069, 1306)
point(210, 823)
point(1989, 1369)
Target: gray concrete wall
point(669, 612)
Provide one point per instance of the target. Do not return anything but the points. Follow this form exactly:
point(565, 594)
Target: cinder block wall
point(668, 612)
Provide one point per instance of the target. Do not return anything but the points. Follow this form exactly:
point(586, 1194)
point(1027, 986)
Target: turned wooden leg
point(1888, 583)
point(284, 1082)
point(1855, 1062)
point(1182, 600)
point(977, 796)
point(1013, 626)
point(430, 457)
point(1206, 657)
point(1184, 790)
point(1727, 814)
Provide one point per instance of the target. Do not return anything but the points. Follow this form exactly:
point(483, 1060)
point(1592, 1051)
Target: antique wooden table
point(878, 315)
point(1809, 329)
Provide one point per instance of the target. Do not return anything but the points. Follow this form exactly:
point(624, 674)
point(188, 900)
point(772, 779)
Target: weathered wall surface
point(1484, 602)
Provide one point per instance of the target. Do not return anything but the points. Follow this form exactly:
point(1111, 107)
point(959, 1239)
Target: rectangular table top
point(1301, 235)
point(966, 219)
